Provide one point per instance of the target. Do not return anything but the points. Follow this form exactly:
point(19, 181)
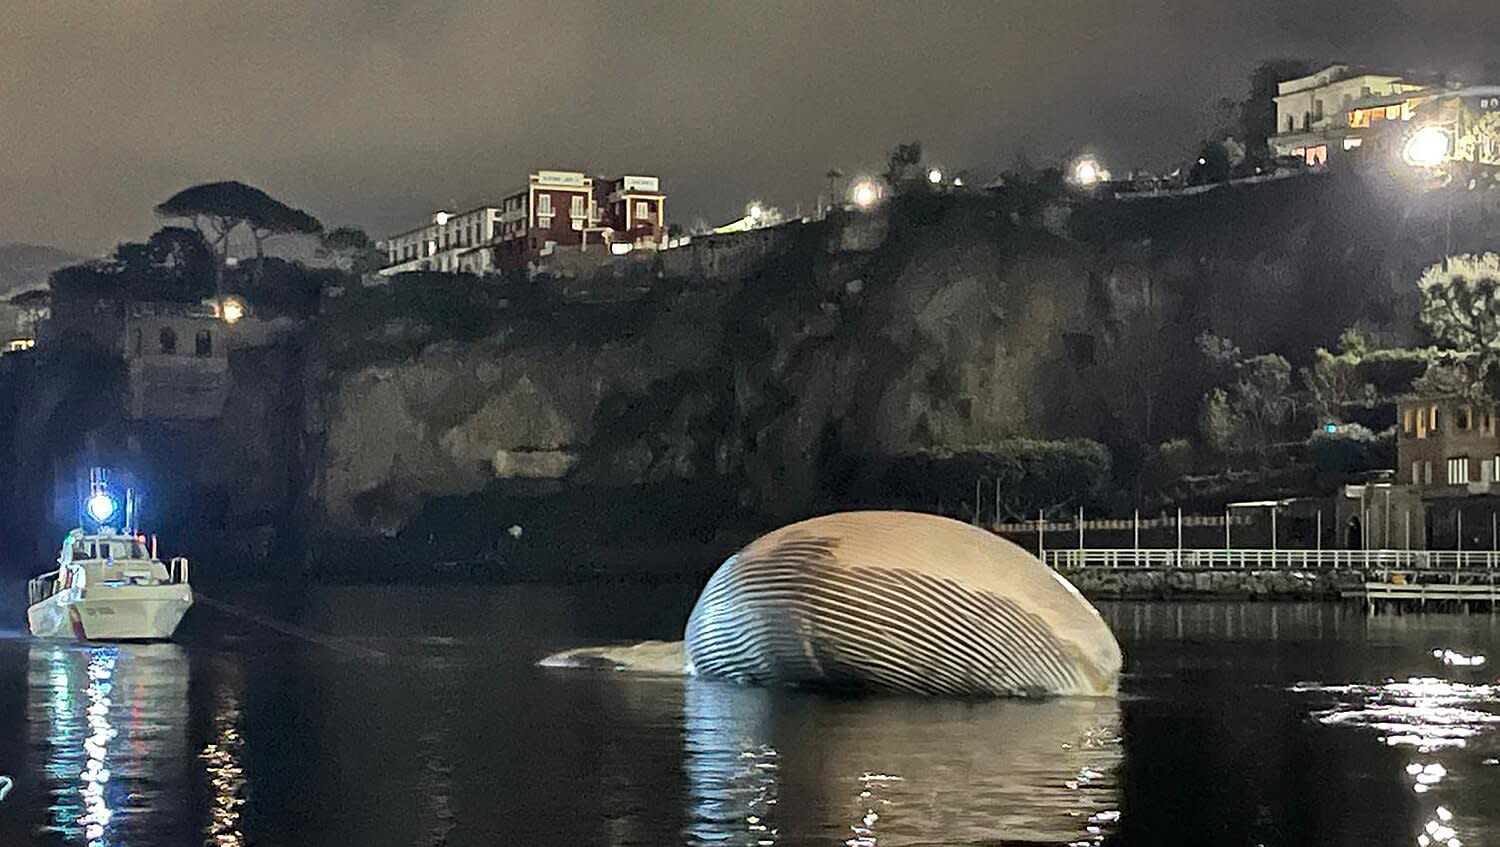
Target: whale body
point(898, 602)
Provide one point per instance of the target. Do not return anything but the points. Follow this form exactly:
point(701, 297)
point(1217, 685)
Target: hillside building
point(1333, 111)
point(555, 211)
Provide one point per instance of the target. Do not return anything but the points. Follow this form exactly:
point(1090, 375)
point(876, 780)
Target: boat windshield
point(121, 549)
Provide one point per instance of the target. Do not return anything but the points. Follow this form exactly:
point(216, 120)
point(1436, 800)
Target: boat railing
point(178, 570)
point(41, 587)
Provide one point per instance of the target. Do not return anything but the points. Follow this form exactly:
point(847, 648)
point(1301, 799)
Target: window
point(1458, 470)
point(1465, 418)
point(575, 209)
point(1416, 473)
point(1427, 473)
point(544, 205)
point(642, 210)
point(1317, 155)
point(137, 342)
point(168, 340)
point(1291, 123)
point(1409, 422)
point(1352, 142)
point(1487, 470)
point(203, 343)
point(1317, 110)
point(1432, 423)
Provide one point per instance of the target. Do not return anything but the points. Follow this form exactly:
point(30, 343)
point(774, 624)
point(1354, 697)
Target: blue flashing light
point(100, 506)
point(1330, 427)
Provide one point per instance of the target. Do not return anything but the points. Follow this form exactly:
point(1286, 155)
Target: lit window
point(1427, 472)
point(544, 205)
point(1433, 423)
point(575, 208)
point(1352, 142)
point(1458, 470)
point(1409, 422)
point(1487, 470)
point(642, 210)
point(1416, 473)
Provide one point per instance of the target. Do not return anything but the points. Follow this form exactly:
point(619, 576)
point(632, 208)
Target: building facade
point(1447, 446)
point(555, 211)
point(451, 243)
point(1334, 111)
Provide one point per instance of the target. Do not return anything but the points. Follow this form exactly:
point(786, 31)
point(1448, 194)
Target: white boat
point(108, 587)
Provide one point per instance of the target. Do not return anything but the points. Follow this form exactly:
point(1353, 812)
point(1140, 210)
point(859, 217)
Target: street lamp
point(865, 193)
point(232, 310)
point(1087, 172)
point(755, 212)
point(935, 176)
point(1427, 147)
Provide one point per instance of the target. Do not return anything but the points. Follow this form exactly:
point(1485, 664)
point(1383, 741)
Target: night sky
point(376, 113)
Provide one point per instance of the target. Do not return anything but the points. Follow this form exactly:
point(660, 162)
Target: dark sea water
point(417, 716)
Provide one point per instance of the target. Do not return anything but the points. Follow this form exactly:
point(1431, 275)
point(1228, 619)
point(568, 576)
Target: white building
point(1332, 111)
point(453, 243)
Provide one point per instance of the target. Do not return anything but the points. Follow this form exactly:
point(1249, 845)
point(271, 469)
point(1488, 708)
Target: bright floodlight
point(1427, 147)
point(100, 506)
point(1086, 172)
point(865, 194)
point(441, 218)
point(756, 212)
point(232, 311)
point(934, 176)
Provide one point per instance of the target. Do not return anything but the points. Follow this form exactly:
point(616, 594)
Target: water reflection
point(221, 764)
point(771, 767)
point(1434, 717)
point(104, 757)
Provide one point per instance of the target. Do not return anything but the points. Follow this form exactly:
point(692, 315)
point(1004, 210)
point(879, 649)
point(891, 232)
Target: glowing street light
point(232, 310)
point(935, 176)
point(755, 212)
point(865, 193)
point(1427, 147)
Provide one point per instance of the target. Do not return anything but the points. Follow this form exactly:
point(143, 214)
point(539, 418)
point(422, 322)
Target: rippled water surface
point(374, 716)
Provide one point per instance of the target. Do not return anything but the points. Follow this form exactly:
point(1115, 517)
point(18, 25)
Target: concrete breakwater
point(1181, 583)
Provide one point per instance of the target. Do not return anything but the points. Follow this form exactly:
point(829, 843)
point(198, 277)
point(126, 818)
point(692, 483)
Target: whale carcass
point(901, 602)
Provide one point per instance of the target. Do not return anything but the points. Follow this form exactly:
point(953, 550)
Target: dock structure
point(1254, 559)
point(1397, 579)
point(1419, 594)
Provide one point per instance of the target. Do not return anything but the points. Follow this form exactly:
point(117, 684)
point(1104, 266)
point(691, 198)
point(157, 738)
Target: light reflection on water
point(221, 763)
point(1443, 721)
point(102, 759)
point(770, 767)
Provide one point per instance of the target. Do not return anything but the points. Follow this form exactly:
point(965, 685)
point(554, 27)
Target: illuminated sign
point(571, 179)
point(640, 183)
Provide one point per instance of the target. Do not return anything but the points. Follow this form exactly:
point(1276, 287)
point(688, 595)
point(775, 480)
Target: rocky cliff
point(777, 376)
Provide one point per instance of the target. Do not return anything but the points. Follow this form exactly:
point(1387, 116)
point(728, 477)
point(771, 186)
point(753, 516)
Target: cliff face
point(787, 369)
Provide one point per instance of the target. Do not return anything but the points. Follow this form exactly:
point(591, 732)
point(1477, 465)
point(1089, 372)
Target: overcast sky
point(376, 113)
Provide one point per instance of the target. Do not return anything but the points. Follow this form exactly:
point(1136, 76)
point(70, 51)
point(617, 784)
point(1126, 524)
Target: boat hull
point(129, 614)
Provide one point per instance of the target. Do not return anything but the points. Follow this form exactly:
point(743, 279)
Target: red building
point(566, 210)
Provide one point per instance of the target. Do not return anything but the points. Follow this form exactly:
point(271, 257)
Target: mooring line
point(310, 636)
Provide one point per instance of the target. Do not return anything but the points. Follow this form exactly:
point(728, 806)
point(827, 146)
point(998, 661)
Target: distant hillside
point(26, 266)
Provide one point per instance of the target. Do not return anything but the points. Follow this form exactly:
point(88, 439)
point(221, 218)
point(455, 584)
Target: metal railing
point(178, 570)
point(1255, 559)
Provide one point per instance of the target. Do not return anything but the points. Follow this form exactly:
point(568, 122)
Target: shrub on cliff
point(1351, 448)
point(1032, 475)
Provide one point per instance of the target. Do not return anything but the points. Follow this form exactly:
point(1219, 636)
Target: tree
point(35, 305)
point(1257, 119)
point(902, 164)
point(1212, 164)
point(218, 208)
point(1248, 415)
point(352, 250)
point(1461, 305)
point(1333, 381)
